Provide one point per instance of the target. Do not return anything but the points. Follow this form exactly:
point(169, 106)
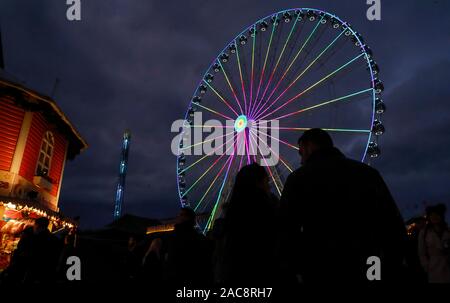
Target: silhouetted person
point(132, 261)
point(434, 242)
point(188, 253)
point(415, 270)
point(217, 235)
point(69, 248)
point(44, 254)
point(250, 230)
point(152, 268)
point(21, 259)
point(337, 213)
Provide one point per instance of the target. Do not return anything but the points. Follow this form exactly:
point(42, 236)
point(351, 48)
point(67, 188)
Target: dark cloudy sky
point(135, 64)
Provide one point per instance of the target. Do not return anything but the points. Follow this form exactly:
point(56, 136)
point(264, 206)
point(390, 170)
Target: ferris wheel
point(288, 72)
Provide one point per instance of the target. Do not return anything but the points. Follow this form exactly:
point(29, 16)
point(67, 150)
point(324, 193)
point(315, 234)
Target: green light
point(240, 124)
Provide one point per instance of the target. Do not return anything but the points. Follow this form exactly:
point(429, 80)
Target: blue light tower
point(122, 174)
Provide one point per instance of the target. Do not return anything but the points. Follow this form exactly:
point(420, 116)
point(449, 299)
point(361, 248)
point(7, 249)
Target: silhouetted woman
point(250, 229)
point(434, 246)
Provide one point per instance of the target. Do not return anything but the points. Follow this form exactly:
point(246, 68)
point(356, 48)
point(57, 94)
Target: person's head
point(313, 140)
point(186, 216)
point(68, 239)
point(436, 214)
point(251, 177)
point(421, 223)
point(27, 232)
point(132, 241)
point(40, 225)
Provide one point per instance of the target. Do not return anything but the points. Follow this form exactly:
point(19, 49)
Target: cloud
point(415, 146)
point(135, 64)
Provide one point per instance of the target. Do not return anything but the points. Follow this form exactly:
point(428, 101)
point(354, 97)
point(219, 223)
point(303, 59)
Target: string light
point(25, 208)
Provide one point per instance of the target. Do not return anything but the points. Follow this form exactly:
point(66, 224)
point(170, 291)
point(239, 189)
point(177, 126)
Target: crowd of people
point(334, 213)
point(40, 256)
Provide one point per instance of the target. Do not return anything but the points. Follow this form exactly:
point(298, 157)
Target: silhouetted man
point(44, 253)
point(189, 254)
point(338, 212)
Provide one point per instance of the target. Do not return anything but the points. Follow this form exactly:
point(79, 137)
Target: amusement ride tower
point(120, 191)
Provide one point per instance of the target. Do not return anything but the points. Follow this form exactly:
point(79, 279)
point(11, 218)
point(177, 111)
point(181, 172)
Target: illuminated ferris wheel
point(288, 72)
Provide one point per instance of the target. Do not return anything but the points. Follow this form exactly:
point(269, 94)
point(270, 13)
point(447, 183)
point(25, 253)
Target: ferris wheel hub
point(240, 123)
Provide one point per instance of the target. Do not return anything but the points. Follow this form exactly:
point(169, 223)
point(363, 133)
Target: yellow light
point(160, 228)
point(10, 205)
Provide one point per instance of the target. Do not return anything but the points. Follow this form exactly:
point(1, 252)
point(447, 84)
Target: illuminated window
point(45, 155)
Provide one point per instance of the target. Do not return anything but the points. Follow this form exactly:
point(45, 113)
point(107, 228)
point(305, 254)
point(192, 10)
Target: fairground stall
point(16, 216)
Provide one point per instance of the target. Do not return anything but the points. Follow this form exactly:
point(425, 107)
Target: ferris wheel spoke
point(304, 71)
point(212, 184)
point(213, 213)
point(205, 141)
point(233, 91)
point(247, 146)
point(268, 168)
point(213, 111)
point(276, 154)
point(215, 126)
point(240, 163)
point(205, 156)
point(294, 60)
point(325, 103)
point(242, 79)
point(282, 141)
point(253, 151)
point(221, 97)
point(279, 59)
point(348, 130)
point(311, 87)
point(253, 67)
point(265, 62)
point(204, 174)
